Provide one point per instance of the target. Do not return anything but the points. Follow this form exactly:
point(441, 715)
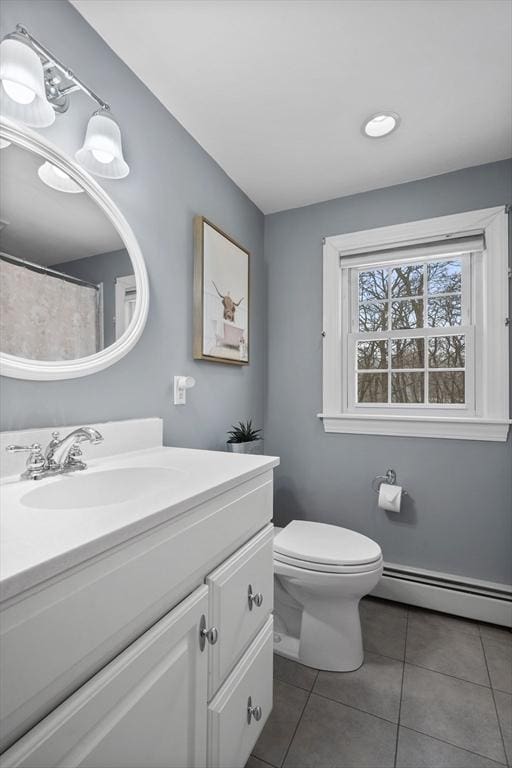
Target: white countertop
point(37, 544)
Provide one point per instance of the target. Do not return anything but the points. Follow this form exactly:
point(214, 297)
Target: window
point(411, 336)
point(415, 329)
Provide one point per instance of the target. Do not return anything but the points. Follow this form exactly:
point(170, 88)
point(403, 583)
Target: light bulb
point(21, 94)
point(102, 156)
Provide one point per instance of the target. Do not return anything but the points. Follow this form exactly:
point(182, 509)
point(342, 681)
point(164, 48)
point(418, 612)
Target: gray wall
point(459, 516)
point(102, 268)
point(171, 180)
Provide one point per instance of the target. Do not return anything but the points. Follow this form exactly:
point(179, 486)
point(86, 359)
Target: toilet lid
point(327, 544)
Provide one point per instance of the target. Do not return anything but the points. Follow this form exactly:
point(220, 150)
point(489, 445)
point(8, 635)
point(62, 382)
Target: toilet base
point(286, 646)
point(341, 649)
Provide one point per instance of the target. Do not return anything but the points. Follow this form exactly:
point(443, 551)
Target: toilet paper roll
point(390, 497)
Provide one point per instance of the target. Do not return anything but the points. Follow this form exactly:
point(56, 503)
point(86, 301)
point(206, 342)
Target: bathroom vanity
point(135, 612)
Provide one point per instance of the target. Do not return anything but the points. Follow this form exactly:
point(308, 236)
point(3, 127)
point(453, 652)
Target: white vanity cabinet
point(156, 654)
point(145, 708)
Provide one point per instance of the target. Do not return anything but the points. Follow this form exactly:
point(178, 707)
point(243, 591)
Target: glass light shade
point(57, 179)
point(4, 143)
point(102, 152)
point(381, 124)
point(22, 93)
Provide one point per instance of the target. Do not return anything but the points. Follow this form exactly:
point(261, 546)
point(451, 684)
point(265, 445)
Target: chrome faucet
point(60, 455)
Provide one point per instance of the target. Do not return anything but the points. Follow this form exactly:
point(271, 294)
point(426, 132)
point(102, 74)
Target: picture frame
point(221, 296)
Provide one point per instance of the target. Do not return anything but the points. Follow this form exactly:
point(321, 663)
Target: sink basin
point(99, 489)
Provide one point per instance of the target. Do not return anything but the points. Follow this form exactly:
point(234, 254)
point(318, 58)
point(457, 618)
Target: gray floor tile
point(499, 661)
point(452, 710)
point(445, 650)
point(495, 633)
point(331, 735)
point(290, 671)
point(504, 706)
point(416, 750)
point(277, 734)
point(383, 626)
point(375, 687)
point(421, 619)
point(255, 762)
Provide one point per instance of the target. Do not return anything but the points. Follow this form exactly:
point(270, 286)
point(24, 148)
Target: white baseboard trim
point(470, 598)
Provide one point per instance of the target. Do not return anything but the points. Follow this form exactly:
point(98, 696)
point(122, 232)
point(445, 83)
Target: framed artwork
point(221, 296)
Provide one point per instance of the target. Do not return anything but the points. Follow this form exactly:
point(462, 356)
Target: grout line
point(451, 744)
point(357, 709)
point(401, 688)
point(260, 760)
point(299, 721)
point(493, 698)
point(447, 674)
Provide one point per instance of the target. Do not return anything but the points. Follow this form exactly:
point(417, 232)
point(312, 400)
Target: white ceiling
point(276, 91)
point(44, 225)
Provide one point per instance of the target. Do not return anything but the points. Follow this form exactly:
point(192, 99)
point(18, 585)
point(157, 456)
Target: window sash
point(425, 333)
point(465, 329)
point(464, 293)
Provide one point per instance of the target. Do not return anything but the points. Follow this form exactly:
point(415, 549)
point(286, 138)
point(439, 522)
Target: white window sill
point(413, 426)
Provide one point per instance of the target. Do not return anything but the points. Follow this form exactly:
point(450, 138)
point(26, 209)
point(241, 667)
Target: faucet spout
point(61, 448)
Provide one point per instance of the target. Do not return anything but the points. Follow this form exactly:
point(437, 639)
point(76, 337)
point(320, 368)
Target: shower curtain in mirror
point(44, 317)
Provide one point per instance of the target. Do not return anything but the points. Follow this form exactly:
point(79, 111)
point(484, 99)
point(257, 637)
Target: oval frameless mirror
point(73, 285)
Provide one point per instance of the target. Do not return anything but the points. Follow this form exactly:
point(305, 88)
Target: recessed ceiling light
point(381, 124)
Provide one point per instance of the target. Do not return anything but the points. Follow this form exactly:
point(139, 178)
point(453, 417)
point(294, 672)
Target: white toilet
point(321, 573)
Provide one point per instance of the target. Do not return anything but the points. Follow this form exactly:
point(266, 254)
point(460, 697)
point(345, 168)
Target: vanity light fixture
point(57, 179)
point(35, 86)
point(102, 151)
point(22, 94)
point(381, 124)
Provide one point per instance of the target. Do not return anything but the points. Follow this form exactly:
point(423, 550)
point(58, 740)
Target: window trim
point(490, 421)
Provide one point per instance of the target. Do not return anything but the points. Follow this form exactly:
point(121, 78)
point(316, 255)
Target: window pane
point(407, 353)
point(373, 285)
point(446, 387)
point(444, 276)
point(444, 311)
point(373, 317)
point(407, 387)
point(407, 314)
point(372, 388)
point(407, 281)
point(372, 354)
point(446, 351)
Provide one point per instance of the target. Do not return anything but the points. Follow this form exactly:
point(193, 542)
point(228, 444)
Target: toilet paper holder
point(389, 478)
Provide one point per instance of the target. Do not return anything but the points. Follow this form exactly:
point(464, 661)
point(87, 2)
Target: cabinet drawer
point(238, 617)
point(231, 733)
point(146, 708)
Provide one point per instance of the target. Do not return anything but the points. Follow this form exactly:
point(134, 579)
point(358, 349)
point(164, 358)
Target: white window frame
point(486, 413)
point(123, 285)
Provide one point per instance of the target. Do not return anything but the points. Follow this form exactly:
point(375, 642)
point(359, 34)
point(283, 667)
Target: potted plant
point(244, 438)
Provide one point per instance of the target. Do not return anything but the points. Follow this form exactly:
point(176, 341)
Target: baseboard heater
point(460, 596)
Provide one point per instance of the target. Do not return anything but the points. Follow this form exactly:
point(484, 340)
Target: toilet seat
point(326, 548)
point(304, 565)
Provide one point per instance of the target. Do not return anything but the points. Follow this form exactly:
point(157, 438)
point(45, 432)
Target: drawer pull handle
point(254, 598)
point(253, 711)
point(212, 634)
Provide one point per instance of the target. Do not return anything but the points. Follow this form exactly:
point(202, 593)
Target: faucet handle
point(35, 447)
point(36, 462)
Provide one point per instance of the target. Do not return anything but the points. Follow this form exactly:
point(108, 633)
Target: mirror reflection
point(67, 286)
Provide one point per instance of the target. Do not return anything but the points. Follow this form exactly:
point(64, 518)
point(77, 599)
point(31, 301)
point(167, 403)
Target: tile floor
point(435, 691)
